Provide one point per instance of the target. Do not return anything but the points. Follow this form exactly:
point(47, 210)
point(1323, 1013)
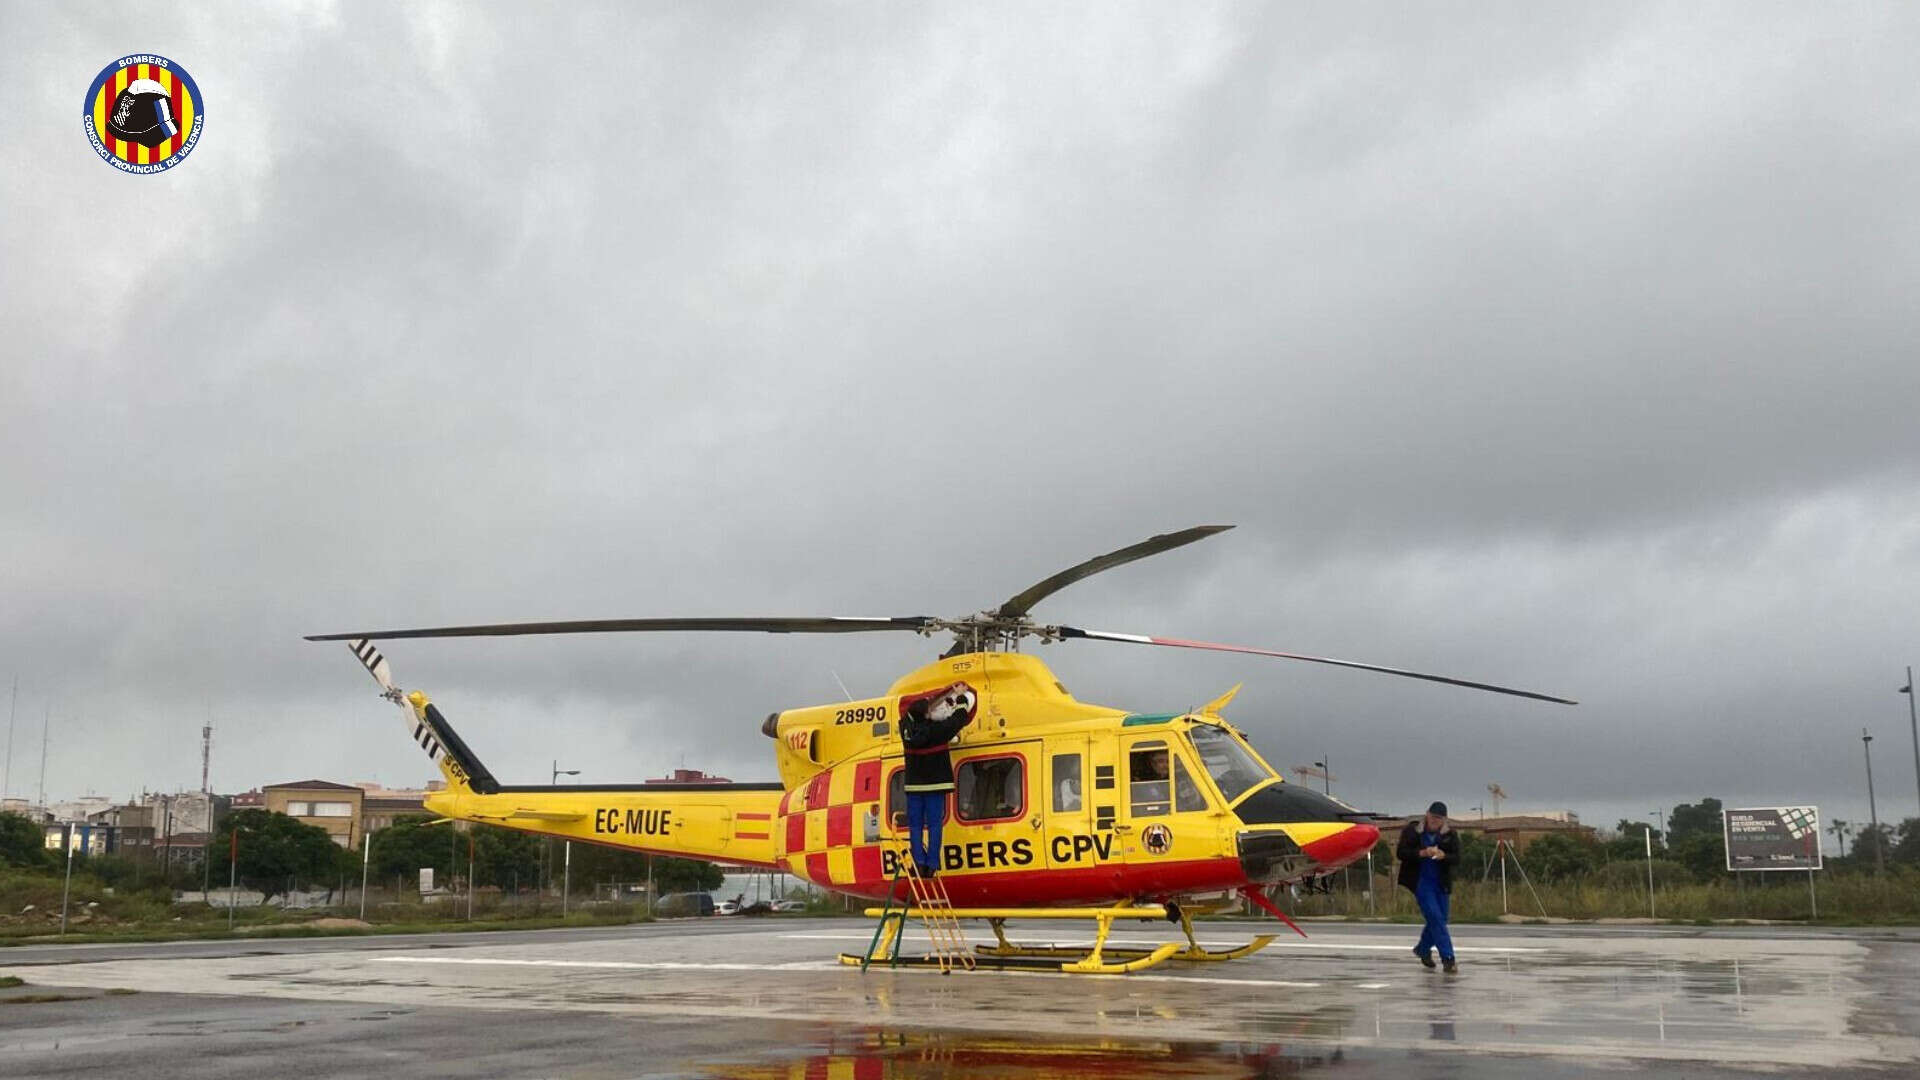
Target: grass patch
point(40, 999)
point(8, 982)
point(30, 907)
point(120, 991)
point(217, 930)
point(1847, 897)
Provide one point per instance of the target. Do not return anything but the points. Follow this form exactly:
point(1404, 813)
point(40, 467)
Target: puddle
point(887, 1055)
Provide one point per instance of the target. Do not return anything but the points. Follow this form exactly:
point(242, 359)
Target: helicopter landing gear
point(1195, 952)
point(1100, 958)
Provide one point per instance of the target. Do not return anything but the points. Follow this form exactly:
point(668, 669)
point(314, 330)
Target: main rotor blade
point(1023, 602)
point(830, 625)
point(1138, 639)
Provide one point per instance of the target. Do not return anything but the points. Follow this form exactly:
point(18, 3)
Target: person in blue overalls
point(928, 722)
point(1428, 851)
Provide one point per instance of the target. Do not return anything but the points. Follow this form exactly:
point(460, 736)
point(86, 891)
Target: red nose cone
point(1342, 847)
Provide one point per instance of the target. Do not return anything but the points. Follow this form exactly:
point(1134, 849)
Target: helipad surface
point(766, 995)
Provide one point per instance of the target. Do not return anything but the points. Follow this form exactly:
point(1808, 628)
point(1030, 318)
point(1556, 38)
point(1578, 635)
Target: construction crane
point(1316, 771)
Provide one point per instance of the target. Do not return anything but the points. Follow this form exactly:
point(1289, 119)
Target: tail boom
point(733, 825)
point(727, 823)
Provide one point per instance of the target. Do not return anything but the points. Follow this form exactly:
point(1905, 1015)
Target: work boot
point(1450, 967)
point(1426, 959)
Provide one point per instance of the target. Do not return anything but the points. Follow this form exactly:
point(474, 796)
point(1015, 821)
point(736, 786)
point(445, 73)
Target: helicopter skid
point(1097, 959)
point(1195, 952)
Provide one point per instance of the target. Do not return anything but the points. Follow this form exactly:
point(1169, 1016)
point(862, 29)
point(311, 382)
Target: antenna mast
point(46, 727)
point(206, 754)
point(6, 777)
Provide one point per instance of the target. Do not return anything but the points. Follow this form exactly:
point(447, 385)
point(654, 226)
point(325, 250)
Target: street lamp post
point(1326, 776)
point(1650, 913)
point(546, 849)
point(67, 888)
point(1873, 810)
point(1913, 725)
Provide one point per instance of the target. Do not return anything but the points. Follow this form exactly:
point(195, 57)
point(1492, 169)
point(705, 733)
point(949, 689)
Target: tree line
point(1692, 848)
point(274, 853)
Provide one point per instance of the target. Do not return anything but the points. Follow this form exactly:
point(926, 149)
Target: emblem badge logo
point(143, 114)
point(1158, 839)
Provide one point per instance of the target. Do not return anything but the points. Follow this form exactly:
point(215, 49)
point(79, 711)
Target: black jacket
point(929, 768)
point(1409, 855)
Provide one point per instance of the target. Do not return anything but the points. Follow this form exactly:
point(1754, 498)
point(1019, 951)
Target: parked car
point(788, 906)
point(726, 907)
point(682, 905)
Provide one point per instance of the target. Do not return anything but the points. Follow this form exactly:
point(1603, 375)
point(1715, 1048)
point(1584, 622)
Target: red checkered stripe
point(822, 827)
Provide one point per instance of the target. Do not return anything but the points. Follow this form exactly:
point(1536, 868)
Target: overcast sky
point(1567, 346)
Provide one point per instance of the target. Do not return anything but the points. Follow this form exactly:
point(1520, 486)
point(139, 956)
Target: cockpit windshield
point(1233, 768)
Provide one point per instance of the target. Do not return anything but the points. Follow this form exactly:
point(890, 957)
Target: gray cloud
point(1560, 347)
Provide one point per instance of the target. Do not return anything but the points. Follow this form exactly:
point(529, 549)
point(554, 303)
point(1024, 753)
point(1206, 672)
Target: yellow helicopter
point(1061, 808)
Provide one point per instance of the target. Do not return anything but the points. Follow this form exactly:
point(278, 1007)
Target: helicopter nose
point(1286, 849)
point(1342, 847)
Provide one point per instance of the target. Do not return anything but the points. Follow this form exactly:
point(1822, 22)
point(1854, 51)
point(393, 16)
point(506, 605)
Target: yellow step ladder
point(950, 946)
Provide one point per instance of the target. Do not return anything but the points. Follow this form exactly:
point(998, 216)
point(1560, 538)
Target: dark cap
point(1438, 809)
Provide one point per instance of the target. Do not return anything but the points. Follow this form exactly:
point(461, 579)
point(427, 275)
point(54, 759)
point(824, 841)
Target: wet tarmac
point(766, 999)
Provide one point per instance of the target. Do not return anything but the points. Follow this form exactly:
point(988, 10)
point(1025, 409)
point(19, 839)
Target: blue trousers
point(926, 815)
point(1434, 902)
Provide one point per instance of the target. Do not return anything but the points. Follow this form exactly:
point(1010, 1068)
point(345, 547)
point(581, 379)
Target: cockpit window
point(1232, 767)
point(1156, 775)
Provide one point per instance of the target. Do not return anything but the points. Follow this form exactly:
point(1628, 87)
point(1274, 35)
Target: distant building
point(690, 776)
point(182, 811)
point(181, 823)
point(346, 811)
point(79, 809)
point(320, 803)
point(1522, 829)
point(83, 838)
point(249, 800)
point(1518, 829)
point(94, 826)
point(167, 827)
point(380, 806)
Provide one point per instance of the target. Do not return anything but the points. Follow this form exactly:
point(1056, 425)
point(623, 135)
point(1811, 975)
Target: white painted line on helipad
point(619, 965)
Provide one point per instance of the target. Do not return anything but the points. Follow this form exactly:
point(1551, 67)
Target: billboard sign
point(1772, 838)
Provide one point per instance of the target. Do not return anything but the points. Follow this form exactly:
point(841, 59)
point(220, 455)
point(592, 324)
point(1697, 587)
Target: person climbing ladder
point(928, 722)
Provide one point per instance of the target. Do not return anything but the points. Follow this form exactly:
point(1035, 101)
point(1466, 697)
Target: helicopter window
point(1066, 783)
point(1186, 793)
point(1149, 782)
point(990, 789)
point(1233, 768)
point(897, 801)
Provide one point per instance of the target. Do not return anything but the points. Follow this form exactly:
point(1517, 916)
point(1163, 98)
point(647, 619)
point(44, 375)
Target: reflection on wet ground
point(910, 1055)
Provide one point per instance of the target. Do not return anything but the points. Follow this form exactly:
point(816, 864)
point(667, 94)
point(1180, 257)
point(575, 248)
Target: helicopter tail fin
point(445, 747)
point(428, 728)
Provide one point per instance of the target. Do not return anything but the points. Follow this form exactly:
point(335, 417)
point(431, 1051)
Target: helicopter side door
point(1066, 817)
point(1165, 815)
